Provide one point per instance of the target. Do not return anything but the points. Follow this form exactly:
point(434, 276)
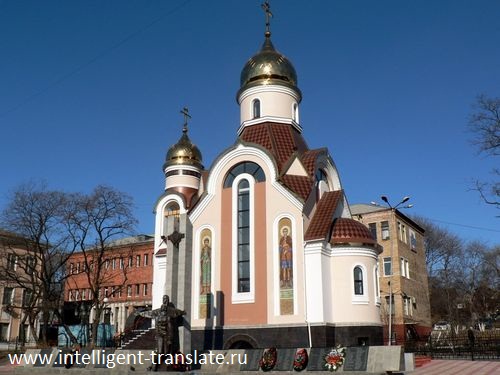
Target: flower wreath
point(300, 360)
point(335, 358)
point(268, 360)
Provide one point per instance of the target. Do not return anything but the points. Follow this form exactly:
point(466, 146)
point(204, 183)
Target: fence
point(462, 345)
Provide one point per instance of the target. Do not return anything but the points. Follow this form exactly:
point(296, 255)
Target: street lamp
point(393, 210)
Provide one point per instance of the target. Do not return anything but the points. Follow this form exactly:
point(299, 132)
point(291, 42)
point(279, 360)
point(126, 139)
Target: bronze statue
point(166, 318)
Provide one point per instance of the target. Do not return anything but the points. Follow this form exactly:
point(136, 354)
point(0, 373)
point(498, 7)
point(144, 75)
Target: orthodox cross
point(267, 10)
point(185, 112)
point(176, 238)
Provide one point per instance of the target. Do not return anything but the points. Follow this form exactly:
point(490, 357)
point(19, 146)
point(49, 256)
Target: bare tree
point(40, 248)
point(440, 244)
point(484, 123)
point(100, 218)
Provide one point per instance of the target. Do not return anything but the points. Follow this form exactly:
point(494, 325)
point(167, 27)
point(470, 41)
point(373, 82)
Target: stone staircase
point(140, 339)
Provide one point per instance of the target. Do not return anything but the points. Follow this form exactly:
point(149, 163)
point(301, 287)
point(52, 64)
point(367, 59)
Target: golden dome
point(268, 67)
point(184, 152)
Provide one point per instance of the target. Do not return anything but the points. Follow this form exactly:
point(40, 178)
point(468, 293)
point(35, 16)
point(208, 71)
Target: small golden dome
point(268, 67)
point(184, 152)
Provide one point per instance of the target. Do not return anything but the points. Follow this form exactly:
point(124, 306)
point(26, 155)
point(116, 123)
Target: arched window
point(172, 214)
point(249, 167)
point(295, 114)
point(243, 244)
point(256, 108)
point(358, 281)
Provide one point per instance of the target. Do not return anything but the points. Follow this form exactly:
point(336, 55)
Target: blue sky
point(90, 93)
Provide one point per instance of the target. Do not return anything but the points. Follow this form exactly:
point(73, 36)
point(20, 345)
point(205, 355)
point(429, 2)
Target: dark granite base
point(285, 337)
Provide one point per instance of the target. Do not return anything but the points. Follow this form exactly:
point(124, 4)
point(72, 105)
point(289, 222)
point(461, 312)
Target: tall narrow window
point(243, 237)
point(256, 108)
point(373, 229)
point(358, 281)
point(295, 112)
point(387, 266)
point(385, 230)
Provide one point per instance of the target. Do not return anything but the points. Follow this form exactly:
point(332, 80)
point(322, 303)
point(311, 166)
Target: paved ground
point(456, 367)
point(436, 367)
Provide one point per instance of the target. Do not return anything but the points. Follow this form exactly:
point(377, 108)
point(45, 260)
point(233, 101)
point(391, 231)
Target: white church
point(260, 250)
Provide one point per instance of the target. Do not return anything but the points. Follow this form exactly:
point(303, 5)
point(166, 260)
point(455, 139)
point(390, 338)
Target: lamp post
point(393, 211)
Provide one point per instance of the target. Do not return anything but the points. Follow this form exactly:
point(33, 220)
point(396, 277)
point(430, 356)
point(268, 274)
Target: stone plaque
point(43, 352)
point(317, 359)
point(356, 358)
point(253, 357)
point(285, 359)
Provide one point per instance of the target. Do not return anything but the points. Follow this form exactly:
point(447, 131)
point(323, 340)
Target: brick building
point(15, 263)
point(401, 263)
point(126, 281)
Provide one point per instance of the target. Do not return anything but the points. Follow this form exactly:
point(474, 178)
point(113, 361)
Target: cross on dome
point(267, 10)
point(185, 112)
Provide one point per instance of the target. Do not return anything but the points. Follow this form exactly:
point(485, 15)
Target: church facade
point(260, 250)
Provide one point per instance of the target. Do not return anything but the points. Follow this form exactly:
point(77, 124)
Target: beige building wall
point(410, 289)
point(273, 205)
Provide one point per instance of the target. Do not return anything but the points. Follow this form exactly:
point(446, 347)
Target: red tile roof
point(321, 223)
point(309, 159)
point(281, 140)
point(347, 230)
point(300, 185)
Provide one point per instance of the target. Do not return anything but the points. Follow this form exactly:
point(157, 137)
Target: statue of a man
point(166, 326)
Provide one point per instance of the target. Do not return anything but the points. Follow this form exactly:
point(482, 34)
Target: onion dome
point(268, 67)
point(184, 152)
point(347, 230)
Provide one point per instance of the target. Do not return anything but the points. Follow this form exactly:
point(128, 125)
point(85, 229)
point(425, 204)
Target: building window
point(387, 266)
point(137, 260)
point(78, 267)
point(249, 167)
point(8, 294)
point(130, 262)
point(413, 240)
point(106, 264)
point(405, 268)
point(358, 281)
point(256, 108)
point(243, 226)
point(145, 258)
point(408, 307)
point(388, 303)
point(376, 283)
point(113, 263)
point(145, 289)
point(70, 295)
point(30, 264)
point(295, 114)
point(402, 232)
point(122, 263)
point(385, 230)
point(129, 291)
point(373, 229)
point(137, 289)
point(11, 262)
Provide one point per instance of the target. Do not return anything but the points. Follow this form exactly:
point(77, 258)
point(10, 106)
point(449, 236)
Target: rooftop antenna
point(267, 10)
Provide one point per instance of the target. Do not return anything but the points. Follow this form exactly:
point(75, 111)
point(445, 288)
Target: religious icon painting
point(285, 251)
point(205, 273)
